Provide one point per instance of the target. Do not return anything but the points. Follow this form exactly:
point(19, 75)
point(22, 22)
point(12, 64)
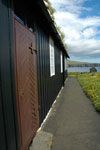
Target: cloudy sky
point(80, 21)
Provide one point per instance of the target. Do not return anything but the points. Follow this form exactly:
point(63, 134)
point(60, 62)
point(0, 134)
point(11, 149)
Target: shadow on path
point(73, 120)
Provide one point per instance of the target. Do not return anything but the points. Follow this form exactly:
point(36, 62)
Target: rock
point(93, 69)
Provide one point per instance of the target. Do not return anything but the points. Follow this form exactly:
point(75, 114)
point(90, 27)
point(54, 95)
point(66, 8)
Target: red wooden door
point(26, 83)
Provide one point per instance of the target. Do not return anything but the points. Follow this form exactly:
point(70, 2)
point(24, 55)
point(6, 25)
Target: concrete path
point(74, 122)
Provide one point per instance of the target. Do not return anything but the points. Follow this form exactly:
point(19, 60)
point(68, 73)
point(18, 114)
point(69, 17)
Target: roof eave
point(51, 22)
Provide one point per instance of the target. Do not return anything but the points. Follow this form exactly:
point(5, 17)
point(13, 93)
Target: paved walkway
point(74, 122)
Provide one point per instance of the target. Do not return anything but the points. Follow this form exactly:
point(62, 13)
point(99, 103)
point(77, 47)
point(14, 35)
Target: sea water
point(81, 69)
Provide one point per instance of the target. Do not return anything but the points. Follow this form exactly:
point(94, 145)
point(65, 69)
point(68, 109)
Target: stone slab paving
point(42, 141)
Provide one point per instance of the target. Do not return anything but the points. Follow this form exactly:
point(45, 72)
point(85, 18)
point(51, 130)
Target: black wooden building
point(32, 70)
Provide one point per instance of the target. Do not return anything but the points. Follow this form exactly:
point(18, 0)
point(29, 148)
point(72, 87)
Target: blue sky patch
point(80, 22)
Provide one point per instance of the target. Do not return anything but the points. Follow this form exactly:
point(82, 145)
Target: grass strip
point(90, 83)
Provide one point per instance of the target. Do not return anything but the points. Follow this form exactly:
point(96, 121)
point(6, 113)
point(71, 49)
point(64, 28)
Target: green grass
point(74, 74)
point(90, 83)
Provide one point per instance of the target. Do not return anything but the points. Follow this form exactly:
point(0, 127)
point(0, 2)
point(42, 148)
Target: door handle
point(21, 93)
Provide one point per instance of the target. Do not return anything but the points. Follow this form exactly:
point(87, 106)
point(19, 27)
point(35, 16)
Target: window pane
point(61, 62)
point(52, 57)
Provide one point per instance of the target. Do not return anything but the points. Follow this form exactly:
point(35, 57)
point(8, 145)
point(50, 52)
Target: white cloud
point(96, 51)
point(74, 6)
point(89, 32)
point(79, 32)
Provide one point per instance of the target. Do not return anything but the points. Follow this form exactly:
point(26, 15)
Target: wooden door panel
point(26, 83)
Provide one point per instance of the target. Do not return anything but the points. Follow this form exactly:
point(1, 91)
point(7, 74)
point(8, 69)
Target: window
point(52, 57)
point(22, 21)
point(65, 63)
point(61, 59)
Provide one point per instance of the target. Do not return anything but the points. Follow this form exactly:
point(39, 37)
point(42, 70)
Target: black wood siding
point(8, 124)
point(2, 126)
point(48, 86)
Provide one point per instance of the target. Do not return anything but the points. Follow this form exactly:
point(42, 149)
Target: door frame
point(16, 80)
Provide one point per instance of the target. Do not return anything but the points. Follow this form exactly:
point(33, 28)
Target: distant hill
point(81, 64)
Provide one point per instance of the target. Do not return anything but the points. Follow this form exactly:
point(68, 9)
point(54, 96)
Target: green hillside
point(81, 64)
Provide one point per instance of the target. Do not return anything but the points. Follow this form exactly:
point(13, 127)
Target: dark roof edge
point(50, 21)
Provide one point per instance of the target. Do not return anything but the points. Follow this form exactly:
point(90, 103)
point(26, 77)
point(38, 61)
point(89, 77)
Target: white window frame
point(61, 61)
point(65, 64)
point(52, 57)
